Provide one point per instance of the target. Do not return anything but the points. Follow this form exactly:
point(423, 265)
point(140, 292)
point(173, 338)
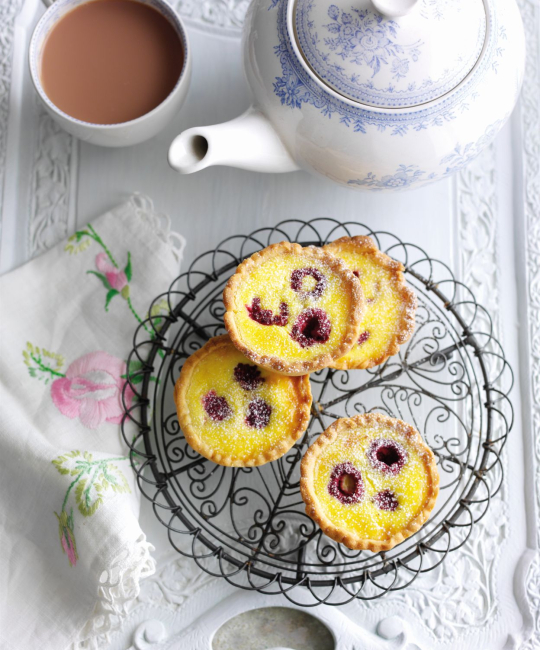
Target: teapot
point(372, 94)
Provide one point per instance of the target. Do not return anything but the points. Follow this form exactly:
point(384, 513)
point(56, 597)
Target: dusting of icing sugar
point(391, 499)
point(300, 281)
point(248, 376)
point(258, 414)
point(216, 407)
point(376, 291)
point(297, 282)
point(363, 337)
point(386, 500)
point(346, 483)
point(387, 456)
point(311, 327)
point(389, 304)
point(266, 316)
point(240, 413)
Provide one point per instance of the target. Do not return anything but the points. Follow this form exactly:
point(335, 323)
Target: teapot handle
point(394, 8)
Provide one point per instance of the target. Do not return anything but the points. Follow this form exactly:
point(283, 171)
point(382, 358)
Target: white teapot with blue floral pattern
point(374, 94)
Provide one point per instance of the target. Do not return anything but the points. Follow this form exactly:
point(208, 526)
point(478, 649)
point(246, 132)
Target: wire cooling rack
point(248, 525)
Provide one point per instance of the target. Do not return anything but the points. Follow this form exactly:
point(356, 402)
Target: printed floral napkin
point(72, 549)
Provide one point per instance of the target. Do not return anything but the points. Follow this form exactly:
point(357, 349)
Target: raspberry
point(363, 337)
point(311, 326)
point(346, 483)
point(258, 414)
point(387, 455)
point(265, 316)
point(386, 500)
point(297, 278)
point(283, 317)
point(216, 407)
point(248, 376)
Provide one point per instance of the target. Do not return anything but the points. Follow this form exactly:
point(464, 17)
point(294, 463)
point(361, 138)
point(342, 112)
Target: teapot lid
point(366, 51)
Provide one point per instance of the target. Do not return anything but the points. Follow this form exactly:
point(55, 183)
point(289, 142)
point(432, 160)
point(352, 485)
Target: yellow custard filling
point(383, 306)
point(220, 420)
point(271, 284)
point(410, 487)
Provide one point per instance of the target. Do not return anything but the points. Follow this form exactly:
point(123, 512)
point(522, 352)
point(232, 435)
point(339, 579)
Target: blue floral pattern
point(405, 176)
point(295, 88)
point(434, 8)
point(364, 37)
point(463, 154)
point(353, 39)
point(400, 67)
point(500, 50)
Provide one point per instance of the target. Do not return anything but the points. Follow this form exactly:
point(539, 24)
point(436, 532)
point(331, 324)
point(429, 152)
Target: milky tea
point(111, 61)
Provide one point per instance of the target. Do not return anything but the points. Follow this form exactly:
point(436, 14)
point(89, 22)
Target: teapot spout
point(247, 142)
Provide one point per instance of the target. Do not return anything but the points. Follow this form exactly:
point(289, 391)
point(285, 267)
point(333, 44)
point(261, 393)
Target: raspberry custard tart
point(236, 413)
point(293, 310)
point(369, 481)
point(390, 305)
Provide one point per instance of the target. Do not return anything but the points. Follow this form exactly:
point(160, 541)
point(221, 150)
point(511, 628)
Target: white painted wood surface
point(484, 222)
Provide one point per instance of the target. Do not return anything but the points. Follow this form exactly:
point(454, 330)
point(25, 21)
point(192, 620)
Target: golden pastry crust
point(365, 246)
point(276, 363)
point(300, 386)
point(340, 534)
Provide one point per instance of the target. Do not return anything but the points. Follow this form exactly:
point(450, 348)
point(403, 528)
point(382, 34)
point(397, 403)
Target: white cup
point(124, 133)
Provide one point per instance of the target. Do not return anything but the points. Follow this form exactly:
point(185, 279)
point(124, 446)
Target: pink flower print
point(92, 390)
point(115, 280)
point(115, 277)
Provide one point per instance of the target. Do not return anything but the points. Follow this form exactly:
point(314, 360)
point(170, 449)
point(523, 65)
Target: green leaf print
point(42, 364)
point(102, 278)
point(88, 495)
point(73, 462)
point(110, 295)
point(127, 270)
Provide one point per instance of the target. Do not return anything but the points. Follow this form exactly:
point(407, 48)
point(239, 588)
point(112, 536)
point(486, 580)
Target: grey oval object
point(273, 628)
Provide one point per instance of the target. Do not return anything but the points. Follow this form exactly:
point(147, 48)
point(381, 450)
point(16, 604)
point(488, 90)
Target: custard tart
point(390, 305)
point(236, 413)
point(294, 310)
point(369, 481)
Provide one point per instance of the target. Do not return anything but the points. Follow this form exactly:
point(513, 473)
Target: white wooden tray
point(484, 222)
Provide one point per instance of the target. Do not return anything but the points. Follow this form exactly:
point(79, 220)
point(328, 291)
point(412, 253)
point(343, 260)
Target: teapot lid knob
point(394, 8)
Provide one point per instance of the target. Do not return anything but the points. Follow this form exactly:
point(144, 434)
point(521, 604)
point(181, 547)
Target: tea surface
point(111, 61)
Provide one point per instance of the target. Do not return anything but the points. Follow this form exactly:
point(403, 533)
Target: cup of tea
point(111, 72)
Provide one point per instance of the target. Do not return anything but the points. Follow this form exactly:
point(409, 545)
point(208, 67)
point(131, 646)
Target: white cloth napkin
point(72, 551)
